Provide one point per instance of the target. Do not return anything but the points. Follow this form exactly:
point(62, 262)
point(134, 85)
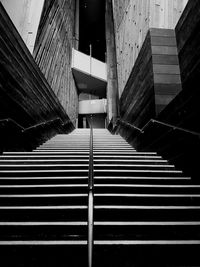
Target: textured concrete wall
point(133, 18)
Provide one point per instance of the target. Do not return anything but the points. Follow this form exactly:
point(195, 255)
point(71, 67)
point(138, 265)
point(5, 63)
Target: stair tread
point(100, 185)
point(43, 207)
point(146, 223)
point(44, 242)
point(42, 195)
point(100, 223)
point(146, 242)
point(100, 195)
point(80, 165)
point(144, 207)
point(82, 159)
point(147, 195)
point(64, 223)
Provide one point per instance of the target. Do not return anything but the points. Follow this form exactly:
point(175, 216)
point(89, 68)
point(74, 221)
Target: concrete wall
point(25, 15)
point(53, 51)
point(132, 19)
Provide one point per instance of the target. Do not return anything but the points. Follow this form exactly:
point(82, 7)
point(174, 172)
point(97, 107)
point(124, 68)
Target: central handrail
point(91, 171)
point(90, 199)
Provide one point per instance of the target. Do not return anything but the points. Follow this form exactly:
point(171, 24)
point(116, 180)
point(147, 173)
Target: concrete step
point(38, 212)
point(42, 180)
point(147, 212)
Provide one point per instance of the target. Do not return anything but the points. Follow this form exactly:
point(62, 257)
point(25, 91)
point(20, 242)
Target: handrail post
point(90, 199)
point(91, 63)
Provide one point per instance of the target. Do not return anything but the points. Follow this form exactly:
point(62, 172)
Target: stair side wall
point(53, 51)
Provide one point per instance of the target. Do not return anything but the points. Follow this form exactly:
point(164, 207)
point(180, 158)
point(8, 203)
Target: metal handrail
point(22, 129)
point(90, 199)
point(152, 121)
point(14, 122)
point(130, 125)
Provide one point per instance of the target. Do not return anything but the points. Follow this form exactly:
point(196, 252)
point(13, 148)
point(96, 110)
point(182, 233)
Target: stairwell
point(143, 207)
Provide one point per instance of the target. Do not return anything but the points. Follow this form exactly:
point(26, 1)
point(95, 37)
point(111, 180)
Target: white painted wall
point(98, 69)
point(89, 65)
point(25, 15)
point(95, 106)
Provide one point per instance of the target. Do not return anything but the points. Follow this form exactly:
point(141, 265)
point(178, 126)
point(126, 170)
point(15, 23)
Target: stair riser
point(43, 180)
point(53, 189)
point(98, 181)
point(63, 157)
point(146, 214)
point(133, 189)
point(43, 232)
point(28, 215)
point(42, 201)
point(119, 189)
point(97, 167)
point(138, 200)
point(79, 161)
point(164, 232)
point(137, 173)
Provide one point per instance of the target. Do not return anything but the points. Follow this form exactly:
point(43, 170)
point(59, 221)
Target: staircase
point(143, 207)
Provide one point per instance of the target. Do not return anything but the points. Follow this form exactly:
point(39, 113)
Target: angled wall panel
point(133, 18)
point(53, 51)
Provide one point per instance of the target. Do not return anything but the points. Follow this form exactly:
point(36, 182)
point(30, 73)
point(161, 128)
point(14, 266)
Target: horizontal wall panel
point(160, 100)
point(162, 32)
point(166, 89)
point(164, 50)
point(163, 41)
point(166, 69)
point(165, 59)
point(167, 78)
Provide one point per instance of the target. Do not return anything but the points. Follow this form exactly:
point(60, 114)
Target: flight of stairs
point(143, 207)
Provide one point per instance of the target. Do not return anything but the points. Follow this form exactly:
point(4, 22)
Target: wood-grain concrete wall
point(25, 95)
point(53, 51)
point(137, 102)
point(133, 18)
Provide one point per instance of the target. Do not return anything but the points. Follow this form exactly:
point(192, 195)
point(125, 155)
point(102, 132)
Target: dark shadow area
point(92, 28)
point(147, 255)
point(44, 256)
